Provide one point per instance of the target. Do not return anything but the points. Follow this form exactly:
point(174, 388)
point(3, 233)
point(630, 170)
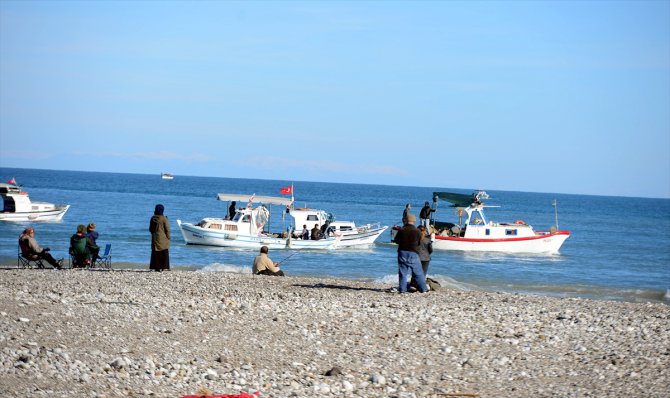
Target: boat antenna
point(555, 204)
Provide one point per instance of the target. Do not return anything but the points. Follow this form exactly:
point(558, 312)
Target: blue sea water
point(619, 248)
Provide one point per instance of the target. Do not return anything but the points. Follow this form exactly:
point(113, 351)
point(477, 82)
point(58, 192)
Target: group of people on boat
point(315, 233)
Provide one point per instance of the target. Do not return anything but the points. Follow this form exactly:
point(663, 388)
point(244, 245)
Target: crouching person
point(264, 266)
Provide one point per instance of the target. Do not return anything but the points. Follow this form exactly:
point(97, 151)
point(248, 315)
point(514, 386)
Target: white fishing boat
point(350, 235)
point(247, 229)
point(167, 176)
point(475, 232)
point(18, 207)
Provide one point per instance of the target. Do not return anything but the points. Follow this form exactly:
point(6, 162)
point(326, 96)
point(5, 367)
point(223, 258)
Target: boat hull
point(548, 243)
point(363, 239)
point(194, 235)
point(35, 216)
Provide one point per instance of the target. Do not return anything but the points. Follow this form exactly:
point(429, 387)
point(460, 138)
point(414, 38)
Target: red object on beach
point(240, 395)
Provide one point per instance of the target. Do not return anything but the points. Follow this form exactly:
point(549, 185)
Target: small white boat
point(474, 232)
point(18, 207)
point(349, 234)
point(167, 176)
point(247, 228)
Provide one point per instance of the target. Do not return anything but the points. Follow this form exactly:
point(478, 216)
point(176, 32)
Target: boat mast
point(555, 204)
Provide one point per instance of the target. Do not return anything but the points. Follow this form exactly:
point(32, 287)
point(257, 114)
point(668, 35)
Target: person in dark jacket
point(405, 213)
point(316, 232)
point(425, 249)
point(232, 210)
point(160, 240)
point(408, 239)
point(92, 236)
point(424, 215)
point(80, 248)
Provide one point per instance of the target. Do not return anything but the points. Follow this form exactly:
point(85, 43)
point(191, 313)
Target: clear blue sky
point(540, 96)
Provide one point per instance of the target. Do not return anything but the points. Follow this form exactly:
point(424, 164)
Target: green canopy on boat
point(456, 199)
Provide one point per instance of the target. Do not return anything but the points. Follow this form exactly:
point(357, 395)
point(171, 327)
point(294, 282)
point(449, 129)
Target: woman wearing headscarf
point(160, 240)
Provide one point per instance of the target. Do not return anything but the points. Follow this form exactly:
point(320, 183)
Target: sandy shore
point(132, 333)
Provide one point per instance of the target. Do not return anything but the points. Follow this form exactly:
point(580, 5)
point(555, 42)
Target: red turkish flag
point(287, 190)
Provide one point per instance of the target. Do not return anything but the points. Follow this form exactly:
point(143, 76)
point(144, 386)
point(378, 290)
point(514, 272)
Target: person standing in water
point(160, 240)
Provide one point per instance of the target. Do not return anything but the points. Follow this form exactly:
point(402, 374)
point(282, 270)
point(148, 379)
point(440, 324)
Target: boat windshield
point(477, 218)
point(262, 216)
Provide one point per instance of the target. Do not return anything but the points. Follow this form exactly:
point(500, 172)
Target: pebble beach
point(132, 333)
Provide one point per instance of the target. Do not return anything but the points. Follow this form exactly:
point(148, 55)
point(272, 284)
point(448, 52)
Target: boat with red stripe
point(476, 232)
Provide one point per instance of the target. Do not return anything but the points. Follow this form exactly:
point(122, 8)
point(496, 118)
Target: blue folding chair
point(105, 260)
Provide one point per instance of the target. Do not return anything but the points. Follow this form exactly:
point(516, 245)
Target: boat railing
point(369, 227)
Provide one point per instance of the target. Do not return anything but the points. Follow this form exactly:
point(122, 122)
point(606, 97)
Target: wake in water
point(443, 280)
point(234, 269)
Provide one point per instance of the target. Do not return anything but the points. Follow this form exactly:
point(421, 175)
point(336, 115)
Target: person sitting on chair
point(305, 233)
point(31, 250)
point(264, 266)
point(92, 236)
point(79, 248)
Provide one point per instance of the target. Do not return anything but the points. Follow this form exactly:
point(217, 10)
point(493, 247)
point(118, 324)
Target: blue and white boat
point(247, 229)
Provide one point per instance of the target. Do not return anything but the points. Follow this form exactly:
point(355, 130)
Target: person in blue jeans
point(408, 240)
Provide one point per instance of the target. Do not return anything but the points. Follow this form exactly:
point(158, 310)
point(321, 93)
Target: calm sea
point(619, 248)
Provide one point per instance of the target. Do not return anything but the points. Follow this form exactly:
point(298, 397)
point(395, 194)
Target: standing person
point(424, 215)
point(232, 210)
point(160, 240)
point(305, 232)
point(405, 213)
point(92, 236)
point(30, 249)
point(408, 239)
point(425, 249)
point(264, 266)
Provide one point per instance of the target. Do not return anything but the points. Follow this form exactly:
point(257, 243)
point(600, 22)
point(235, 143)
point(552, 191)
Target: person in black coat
point(232, 210)
point(424, 215)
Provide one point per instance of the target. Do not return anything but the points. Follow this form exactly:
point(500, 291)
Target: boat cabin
point(16, 201)
point(247, 221)
point(473, 223)
point(309, 217)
